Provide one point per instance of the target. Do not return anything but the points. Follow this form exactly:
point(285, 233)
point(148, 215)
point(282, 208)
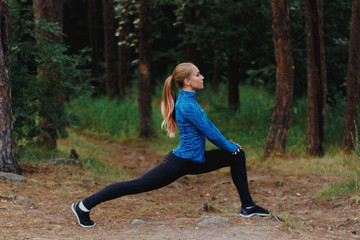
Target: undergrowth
point(91, 157)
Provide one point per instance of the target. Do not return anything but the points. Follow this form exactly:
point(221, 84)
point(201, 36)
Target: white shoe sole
point(256, 214)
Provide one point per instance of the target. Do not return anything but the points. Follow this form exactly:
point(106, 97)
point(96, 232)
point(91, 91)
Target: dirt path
point(172, 212)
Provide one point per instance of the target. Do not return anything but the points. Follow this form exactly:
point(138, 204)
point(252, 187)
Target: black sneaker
point(82, 217)
point(254, 211)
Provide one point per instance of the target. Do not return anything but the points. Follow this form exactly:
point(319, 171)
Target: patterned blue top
point(194, 128)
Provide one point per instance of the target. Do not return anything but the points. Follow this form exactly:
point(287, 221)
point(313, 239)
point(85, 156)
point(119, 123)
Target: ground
point(172, 212)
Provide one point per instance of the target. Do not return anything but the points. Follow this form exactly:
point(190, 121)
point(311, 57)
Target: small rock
point(223, 183)
point(234, 215)
point(211, 221)
point(203, 218)
point(12, 177)
point(138, 222)
point(64, 161)
point(279, 183)
point(19, 200)
point(135, 155)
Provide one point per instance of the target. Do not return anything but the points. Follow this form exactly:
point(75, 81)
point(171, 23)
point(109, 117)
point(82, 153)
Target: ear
point(187, 82)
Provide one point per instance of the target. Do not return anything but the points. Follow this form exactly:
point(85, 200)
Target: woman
point(184, 114)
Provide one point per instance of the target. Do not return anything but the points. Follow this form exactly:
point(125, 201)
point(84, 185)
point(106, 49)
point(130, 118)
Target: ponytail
point(168, 108)
point(181, 71)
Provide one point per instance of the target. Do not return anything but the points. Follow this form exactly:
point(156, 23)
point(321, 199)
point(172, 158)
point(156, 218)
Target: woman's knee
point(240, 156)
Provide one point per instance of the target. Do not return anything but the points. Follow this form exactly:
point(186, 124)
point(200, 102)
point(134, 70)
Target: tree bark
point(144, 82)
point(110, 49)
point(51, 11)
point(233, 83)
point(353, 77)
point(124, 69)
point(216, 73)
point(7, 155)
point(281, 115)
point(94, 6)
point(316, 72)
point(190, 18)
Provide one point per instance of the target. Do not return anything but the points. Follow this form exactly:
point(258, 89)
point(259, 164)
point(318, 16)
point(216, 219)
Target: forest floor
point(172, 212)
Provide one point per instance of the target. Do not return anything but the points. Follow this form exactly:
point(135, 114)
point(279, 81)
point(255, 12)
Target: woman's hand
point(238, 150)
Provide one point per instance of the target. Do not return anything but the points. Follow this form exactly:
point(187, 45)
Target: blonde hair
point(181, 71)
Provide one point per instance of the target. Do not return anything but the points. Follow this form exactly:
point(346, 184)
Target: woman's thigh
point(214, 160)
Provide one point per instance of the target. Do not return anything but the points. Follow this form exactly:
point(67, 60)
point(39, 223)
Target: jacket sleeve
point(197, 116)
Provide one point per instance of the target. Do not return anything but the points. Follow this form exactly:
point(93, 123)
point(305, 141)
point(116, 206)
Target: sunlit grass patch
point(350, 186)
point(332, 164)
point(290, 221)
point(92, 159)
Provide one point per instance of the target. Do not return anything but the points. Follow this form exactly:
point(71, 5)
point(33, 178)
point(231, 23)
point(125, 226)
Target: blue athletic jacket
point(194, 128)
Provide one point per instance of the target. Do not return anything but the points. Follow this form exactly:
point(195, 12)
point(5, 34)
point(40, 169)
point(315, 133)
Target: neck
point(188, 89)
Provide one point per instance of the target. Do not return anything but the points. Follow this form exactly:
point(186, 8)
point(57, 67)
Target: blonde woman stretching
point(182, 113)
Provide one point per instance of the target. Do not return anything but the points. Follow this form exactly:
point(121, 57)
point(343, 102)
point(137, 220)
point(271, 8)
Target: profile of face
point(195, 81)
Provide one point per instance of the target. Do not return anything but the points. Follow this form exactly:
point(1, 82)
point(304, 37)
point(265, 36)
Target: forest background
point(98, 67)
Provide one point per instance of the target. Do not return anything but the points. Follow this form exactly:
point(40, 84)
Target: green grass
point(91, 157)
point(291, 222)
point(349, 186)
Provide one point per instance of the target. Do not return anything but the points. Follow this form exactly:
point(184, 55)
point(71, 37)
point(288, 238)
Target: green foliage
point(217, 28)
point(128, 11)
point(23, 69)
point(241, 28)
point(106, 118)
point(31, 97)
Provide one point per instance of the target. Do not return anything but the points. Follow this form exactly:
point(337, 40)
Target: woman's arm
point(197, 116)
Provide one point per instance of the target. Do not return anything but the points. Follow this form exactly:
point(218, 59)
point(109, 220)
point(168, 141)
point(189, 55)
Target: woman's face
point(196, 80)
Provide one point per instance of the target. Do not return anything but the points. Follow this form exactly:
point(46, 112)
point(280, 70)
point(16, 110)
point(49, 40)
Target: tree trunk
point(124, 69)
point(190, 18)
point(216, 71)
point(233, 83)
point(110, 49)
point(281, 115)
point(94, 6)
point(51, 11)
point(144, 82)
point(353, 77)
point(7, 156)
point(316, 77)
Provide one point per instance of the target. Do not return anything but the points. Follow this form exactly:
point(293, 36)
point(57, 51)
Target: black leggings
point(174, 167)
